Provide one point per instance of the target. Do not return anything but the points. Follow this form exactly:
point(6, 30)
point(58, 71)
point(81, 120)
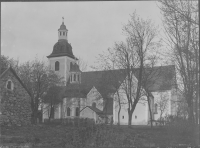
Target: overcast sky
point(30, 28)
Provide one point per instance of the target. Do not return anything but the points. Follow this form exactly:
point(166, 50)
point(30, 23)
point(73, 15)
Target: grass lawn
point(59, 136)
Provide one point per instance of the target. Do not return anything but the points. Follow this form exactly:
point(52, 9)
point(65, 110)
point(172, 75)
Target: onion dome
point(62, 48)
point(62, 27)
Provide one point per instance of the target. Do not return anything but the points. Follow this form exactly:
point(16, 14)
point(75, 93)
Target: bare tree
point(132, 55)
point(162, 104)
point(38, 78)
point(52, 98)
point(180, 19)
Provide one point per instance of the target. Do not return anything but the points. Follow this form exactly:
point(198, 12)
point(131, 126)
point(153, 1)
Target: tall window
point(78, 77)
point(63, 33)
point(57, 66)
point(68, 111)
point(60, 34)
point(156, 109)
point(74, 77)
point(77, 111)
point(70, 78)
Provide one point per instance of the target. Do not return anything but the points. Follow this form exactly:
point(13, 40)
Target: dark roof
point(62, 27)
point(74, 67)
point(104, 81)
point(159, 78)
point(94, 109)
point(15, 74)
point(62, 48)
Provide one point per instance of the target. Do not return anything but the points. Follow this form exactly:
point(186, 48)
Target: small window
point(60, 33)
point(122, 117)
point(63, 33)
point(93, 104)
point(156, 109)
point(74, 77)
point(135, 117)
point(77, 111)
point(57, 66)
point(68, 111)
point(78, 77)
point(9, 85)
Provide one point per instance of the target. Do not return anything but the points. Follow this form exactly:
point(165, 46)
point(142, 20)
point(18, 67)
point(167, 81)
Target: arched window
point(9, 85)
point(63, 33)
point(77, 111)
point(93, 104)
point(68, 111)
point(156, 109)
point(57, 66)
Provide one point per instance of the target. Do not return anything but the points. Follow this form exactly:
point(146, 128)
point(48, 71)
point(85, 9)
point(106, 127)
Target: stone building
point(15, 106)
point(93, 95)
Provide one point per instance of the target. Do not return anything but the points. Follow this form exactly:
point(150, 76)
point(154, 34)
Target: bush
point(75, 122)
point(180, 130)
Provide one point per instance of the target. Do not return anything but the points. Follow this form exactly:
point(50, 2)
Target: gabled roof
point(16, 76)
point(94, 109)
point(104, 81)
point(159, 78)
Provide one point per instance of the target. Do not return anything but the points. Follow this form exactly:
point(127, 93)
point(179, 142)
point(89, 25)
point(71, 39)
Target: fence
point(71, 121)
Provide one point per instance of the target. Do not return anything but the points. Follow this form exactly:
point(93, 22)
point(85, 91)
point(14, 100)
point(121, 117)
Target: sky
point(30, 29)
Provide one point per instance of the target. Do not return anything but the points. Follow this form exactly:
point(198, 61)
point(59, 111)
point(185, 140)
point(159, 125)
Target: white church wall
point(45, 112)
point(64, 65)
point(94, 96)
point(61, 61)
point(163, 101)
point(140, 114)
point(68, 60)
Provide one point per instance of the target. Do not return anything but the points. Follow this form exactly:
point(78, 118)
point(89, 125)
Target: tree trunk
point(191, 113)
point(130, 113)
point(148, 98)
point(34, 117)
point(119, 115)
point(129, 120)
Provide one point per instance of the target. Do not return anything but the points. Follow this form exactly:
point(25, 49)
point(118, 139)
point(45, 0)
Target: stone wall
point(15, 104)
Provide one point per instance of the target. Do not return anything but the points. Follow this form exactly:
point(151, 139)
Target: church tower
point(62, 56)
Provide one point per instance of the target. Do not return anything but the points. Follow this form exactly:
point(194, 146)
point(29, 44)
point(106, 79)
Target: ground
point(60, 136)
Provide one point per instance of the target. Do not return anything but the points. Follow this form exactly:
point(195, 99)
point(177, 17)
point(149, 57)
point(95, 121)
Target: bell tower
point(62, 54)
point(62, 31)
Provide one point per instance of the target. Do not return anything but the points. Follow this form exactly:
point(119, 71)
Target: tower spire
point(63, 19)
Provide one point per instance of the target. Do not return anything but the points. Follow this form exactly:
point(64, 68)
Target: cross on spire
point(63, 19)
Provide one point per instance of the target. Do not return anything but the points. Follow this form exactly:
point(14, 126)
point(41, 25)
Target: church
point(93, 94)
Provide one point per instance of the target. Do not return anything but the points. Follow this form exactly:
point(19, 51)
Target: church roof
point(62, 27)
point(159, 78)
point(16, 76)
point(97, 79)
point(74, 67)
point(94, 109)
point(62, 48)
